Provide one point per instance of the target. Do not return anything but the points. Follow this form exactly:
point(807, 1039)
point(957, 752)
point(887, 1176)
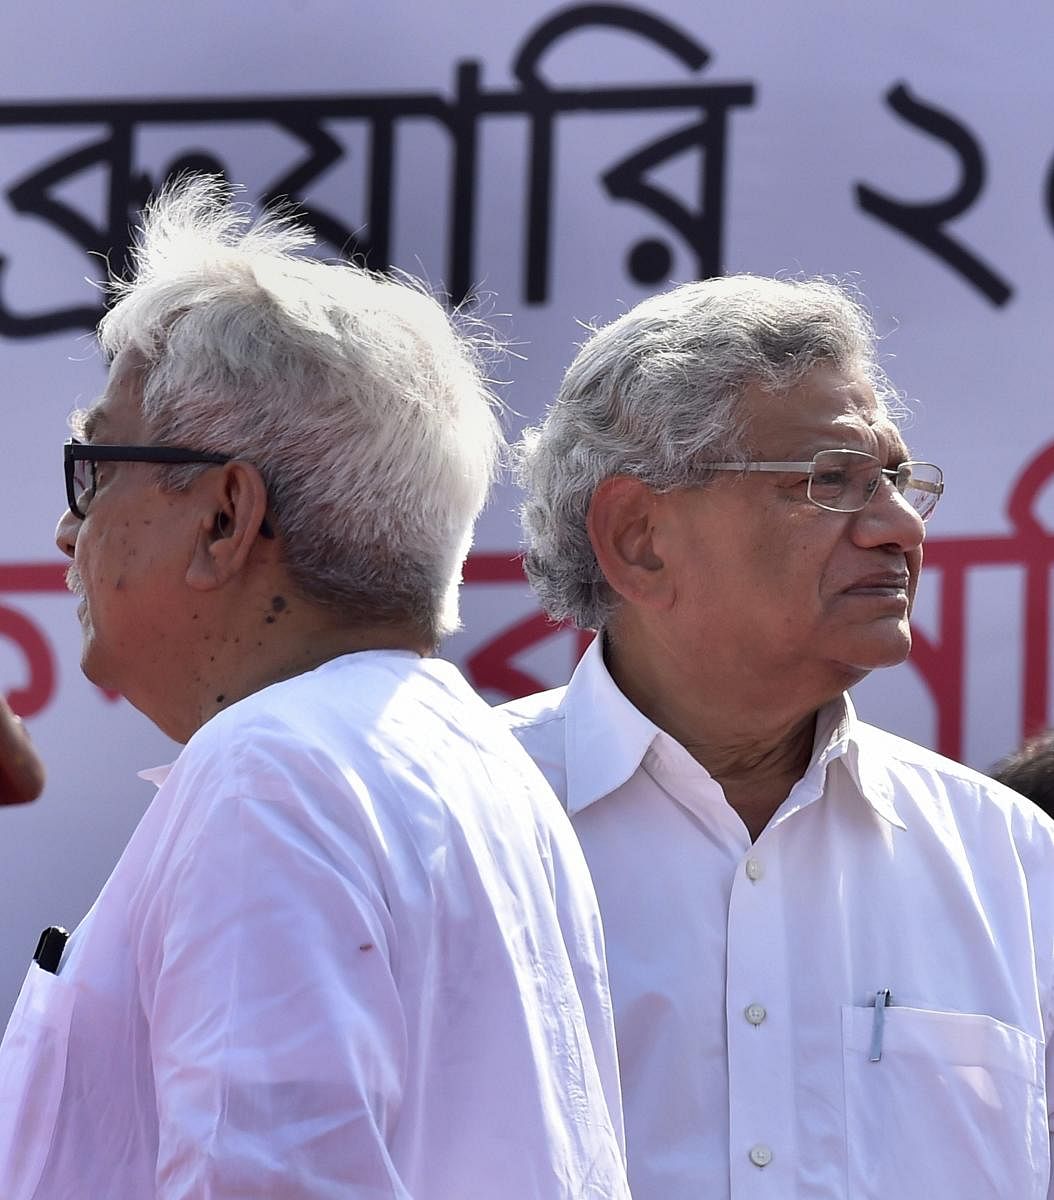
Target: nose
point(66, 533)
point(889, 520)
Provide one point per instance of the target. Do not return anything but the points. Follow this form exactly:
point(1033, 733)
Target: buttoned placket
point(760, 1075)
point(760, 1066)
point(759, 1018)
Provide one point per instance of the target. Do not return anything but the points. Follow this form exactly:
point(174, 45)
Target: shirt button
point(761, 1156)
point(754, 871)
point(755, 1013)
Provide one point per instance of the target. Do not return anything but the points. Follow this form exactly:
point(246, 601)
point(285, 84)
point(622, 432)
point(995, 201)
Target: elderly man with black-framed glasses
point(831, 951)
point(352, 948)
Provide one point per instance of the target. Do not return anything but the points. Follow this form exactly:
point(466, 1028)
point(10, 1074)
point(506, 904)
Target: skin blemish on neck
point(277, 604)
point(220, 698)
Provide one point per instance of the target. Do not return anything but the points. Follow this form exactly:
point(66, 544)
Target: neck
point(755, 743)
point(246, 647)
point(289, 658)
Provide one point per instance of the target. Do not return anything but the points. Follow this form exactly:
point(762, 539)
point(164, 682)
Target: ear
point(233, 505)
point(621, 522)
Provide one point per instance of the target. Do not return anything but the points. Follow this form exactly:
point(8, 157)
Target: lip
point(885, 583)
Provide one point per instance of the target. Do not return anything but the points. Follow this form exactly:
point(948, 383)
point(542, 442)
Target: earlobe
point(622, 529)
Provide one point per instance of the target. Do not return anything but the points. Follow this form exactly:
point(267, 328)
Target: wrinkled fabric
point(338, 958)
point(744, 977)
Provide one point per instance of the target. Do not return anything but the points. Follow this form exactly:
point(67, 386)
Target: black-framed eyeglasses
point(80, 458)
point(845, 480)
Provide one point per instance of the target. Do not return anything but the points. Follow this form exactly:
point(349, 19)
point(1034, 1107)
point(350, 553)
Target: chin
point(871, 654)
point(884, 657)
point(91, 667)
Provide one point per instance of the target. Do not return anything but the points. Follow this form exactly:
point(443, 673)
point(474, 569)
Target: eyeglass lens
point(845, 480)
point(83, 482)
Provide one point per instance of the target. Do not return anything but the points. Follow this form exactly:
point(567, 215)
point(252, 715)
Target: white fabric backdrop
point(936, 106)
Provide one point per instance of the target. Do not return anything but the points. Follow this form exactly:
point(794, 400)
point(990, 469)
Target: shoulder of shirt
point(956, 778)
point(900, 750)
point(360, 689)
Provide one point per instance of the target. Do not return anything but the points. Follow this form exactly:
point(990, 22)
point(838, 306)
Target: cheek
point(826, 567)
point(780, 583)
point(798, 556)
point(84, 557)
point(103, 562)
point(914, 560)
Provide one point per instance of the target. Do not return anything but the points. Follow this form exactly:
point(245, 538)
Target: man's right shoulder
point(537, 723)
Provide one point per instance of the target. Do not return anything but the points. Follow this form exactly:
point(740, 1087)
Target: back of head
point(356, 396)
point(1030, 770)
point(654, 394)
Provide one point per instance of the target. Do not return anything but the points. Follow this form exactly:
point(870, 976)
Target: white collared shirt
point(338, 958)
point(745, 976)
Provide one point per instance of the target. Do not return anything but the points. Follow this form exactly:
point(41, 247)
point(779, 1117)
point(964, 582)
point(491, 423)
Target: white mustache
point(73, 582)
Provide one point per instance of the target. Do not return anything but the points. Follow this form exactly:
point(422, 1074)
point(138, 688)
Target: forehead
point(117, 415)
point(827, 408)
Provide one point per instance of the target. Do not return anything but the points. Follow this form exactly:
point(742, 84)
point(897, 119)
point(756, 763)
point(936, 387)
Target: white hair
point(357, 397)
point(654, 396)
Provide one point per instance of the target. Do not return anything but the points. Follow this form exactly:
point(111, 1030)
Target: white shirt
point(745, 976)
point(329, 964)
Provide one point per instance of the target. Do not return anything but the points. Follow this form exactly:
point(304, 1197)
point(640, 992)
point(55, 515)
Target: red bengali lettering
point(30, 638)
point(33, 698)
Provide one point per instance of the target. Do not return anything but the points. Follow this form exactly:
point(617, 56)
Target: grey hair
point(359, 399)
point(654, 395)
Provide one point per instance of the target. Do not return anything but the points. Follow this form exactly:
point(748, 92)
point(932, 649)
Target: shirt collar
point(607, 738)
point(156, 775)
point(839, 735)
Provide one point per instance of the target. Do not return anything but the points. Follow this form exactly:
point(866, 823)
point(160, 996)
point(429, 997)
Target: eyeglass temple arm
point(760, 466)
point(923, 485)
point(927, 485)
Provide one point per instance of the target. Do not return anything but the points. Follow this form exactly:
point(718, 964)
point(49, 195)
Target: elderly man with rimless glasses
point(831, 951)
point(352, 949)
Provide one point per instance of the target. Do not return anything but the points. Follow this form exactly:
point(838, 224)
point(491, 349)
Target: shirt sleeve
point(1043, 938)
point(277, 1036)
point(1049, 1090)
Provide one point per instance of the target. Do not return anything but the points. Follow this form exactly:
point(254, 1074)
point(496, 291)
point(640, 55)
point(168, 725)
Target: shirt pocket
point(32, 1075)
point(955, 1107)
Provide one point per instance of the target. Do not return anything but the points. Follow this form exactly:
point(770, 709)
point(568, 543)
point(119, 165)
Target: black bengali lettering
point(924, 222)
